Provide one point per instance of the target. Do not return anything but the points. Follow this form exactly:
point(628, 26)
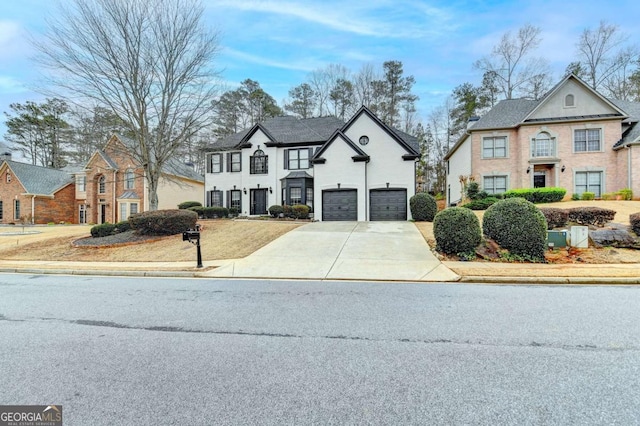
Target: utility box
point(556, 239)
point(580, 236)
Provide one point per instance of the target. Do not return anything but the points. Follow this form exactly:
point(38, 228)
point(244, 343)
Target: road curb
point(551, 280)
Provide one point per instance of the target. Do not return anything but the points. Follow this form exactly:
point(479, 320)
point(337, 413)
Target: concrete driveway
point(389, 251)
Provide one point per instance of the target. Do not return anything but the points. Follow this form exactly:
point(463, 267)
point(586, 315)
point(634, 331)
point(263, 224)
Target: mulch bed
point(121, 239)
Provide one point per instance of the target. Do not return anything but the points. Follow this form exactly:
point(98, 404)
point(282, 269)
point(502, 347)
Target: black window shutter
point(209, 163)
point(286, 159)
point(228, 161)
point(240, 159)
point(228, 199)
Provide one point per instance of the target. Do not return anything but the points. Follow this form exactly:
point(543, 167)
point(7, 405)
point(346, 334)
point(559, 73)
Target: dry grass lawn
point(220, 239)
point(592, 255)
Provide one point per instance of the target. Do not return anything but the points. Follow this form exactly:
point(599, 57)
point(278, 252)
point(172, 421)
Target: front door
point(103, 214)
point(258, 201)
point(539, 180)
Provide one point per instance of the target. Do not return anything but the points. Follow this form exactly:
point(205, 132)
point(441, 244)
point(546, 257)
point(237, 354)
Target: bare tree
point(510, 63)
point(363, 87)
point(601, 55)
point(147, 61)
point(323, 81)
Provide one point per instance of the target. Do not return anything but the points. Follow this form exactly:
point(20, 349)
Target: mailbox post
point(193, 236)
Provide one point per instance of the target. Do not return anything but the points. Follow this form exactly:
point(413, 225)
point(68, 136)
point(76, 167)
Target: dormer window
point(569, 101)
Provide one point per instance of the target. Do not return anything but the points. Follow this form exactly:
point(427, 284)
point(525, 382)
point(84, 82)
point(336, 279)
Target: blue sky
point(278, 43)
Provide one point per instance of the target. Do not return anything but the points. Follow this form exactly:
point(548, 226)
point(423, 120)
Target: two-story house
point(112, 185)
point(573, 138)
point(359, 170)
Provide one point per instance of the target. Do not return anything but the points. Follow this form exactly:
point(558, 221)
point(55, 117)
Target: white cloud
point(299, 65)
point(8, 85)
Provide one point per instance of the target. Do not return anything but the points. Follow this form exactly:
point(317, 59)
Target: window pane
point(133, 208)
point(580, 140)
point(296, 195)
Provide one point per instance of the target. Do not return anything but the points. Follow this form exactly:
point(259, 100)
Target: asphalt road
point(198, 352)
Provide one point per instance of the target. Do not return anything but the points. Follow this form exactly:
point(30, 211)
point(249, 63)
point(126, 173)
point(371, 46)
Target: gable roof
point(38, 180)
point(285, 130)
point(408, 142)
point(506, 114)
point(632, 133)
point(360, 154)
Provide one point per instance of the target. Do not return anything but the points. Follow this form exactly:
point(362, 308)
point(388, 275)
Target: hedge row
point(213, 212)
point(106, 229)
point(187, 204)
point(163, 222)
point(481, 203)
point(596, 216)
point(556, 218)
point(537, 195)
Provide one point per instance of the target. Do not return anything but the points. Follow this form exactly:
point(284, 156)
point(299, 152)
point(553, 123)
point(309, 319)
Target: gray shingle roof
point(633, 111)
point(287, 130)
point(178, 168)
point(507, 113)
point(40, 180)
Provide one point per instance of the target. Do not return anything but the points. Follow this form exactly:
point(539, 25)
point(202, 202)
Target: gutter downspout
point(115, 207)
point(33, 209)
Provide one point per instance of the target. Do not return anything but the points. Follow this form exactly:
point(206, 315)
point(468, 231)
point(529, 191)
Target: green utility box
point(556, 239)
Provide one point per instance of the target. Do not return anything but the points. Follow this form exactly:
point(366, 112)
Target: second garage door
point(340, 204)
point(388, 204)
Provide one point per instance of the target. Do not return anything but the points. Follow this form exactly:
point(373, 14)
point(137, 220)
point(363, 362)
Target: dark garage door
point(340, 204)
point(388, 204)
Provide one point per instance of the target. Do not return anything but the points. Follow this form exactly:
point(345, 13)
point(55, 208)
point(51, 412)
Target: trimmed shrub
point(457, 231)
point(103, 230)
point(163, 222)
point(300, 211)
point(276, 210)
point(187, 204)
point(575, 197)
point(588, 196)
point(538, 195)
point(473, 190)
point(481, 204)
point(123, 226)
point(556, 218)
point(286, 209)
point(634, 219)
point(627, 194)
point(608, 196)
point(518, 226)
point(234, 211)
point(596, 216)
point(215, 212)
point(198, 209)
point(423, 207)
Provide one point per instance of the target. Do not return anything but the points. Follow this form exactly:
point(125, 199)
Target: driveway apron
point(389, 251)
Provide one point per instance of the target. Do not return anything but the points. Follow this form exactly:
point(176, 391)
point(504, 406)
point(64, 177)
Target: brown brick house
point(35, 194)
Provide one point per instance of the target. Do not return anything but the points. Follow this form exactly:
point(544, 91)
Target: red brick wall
point(59, 209)
point(9, 192)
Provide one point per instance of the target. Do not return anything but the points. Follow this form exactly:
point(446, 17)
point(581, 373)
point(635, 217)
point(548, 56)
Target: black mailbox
point(190, 235)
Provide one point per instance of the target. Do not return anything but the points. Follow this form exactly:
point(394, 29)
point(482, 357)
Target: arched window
point(102, 184)
point(129, 178)
point(569, 100)
point(543, 145)
point(259, 163)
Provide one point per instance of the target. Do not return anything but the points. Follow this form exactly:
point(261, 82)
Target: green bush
point(163, 222)
point(123, 226)
point(198, 209)
point(187, 204)
point(575, 197)
point(457, 231)
point(276, 210)
point(103, 230)
point(518, 226)
point(472, 191)
point(423, 207)
point(234, 211)
point(215, 212)
point(596, 216)
point(537, 195)
point(480, 204)
point(634, 219)
point(627, 194)
point(300, 211)
point(587, 196)
point(286, 209)
point(556, 218)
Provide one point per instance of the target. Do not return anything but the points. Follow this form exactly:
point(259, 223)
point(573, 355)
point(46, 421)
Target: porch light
point(244, 190)
point(563, 168)
point(528, 169)
point(270, 190)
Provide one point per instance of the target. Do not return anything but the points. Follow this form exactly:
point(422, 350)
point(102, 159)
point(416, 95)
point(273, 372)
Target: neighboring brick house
point(573, 138)
point(35, 194)
point(112, 186)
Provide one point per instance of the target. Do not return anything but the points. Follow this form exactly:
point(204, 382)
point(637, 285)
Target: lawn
point(220, 239)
